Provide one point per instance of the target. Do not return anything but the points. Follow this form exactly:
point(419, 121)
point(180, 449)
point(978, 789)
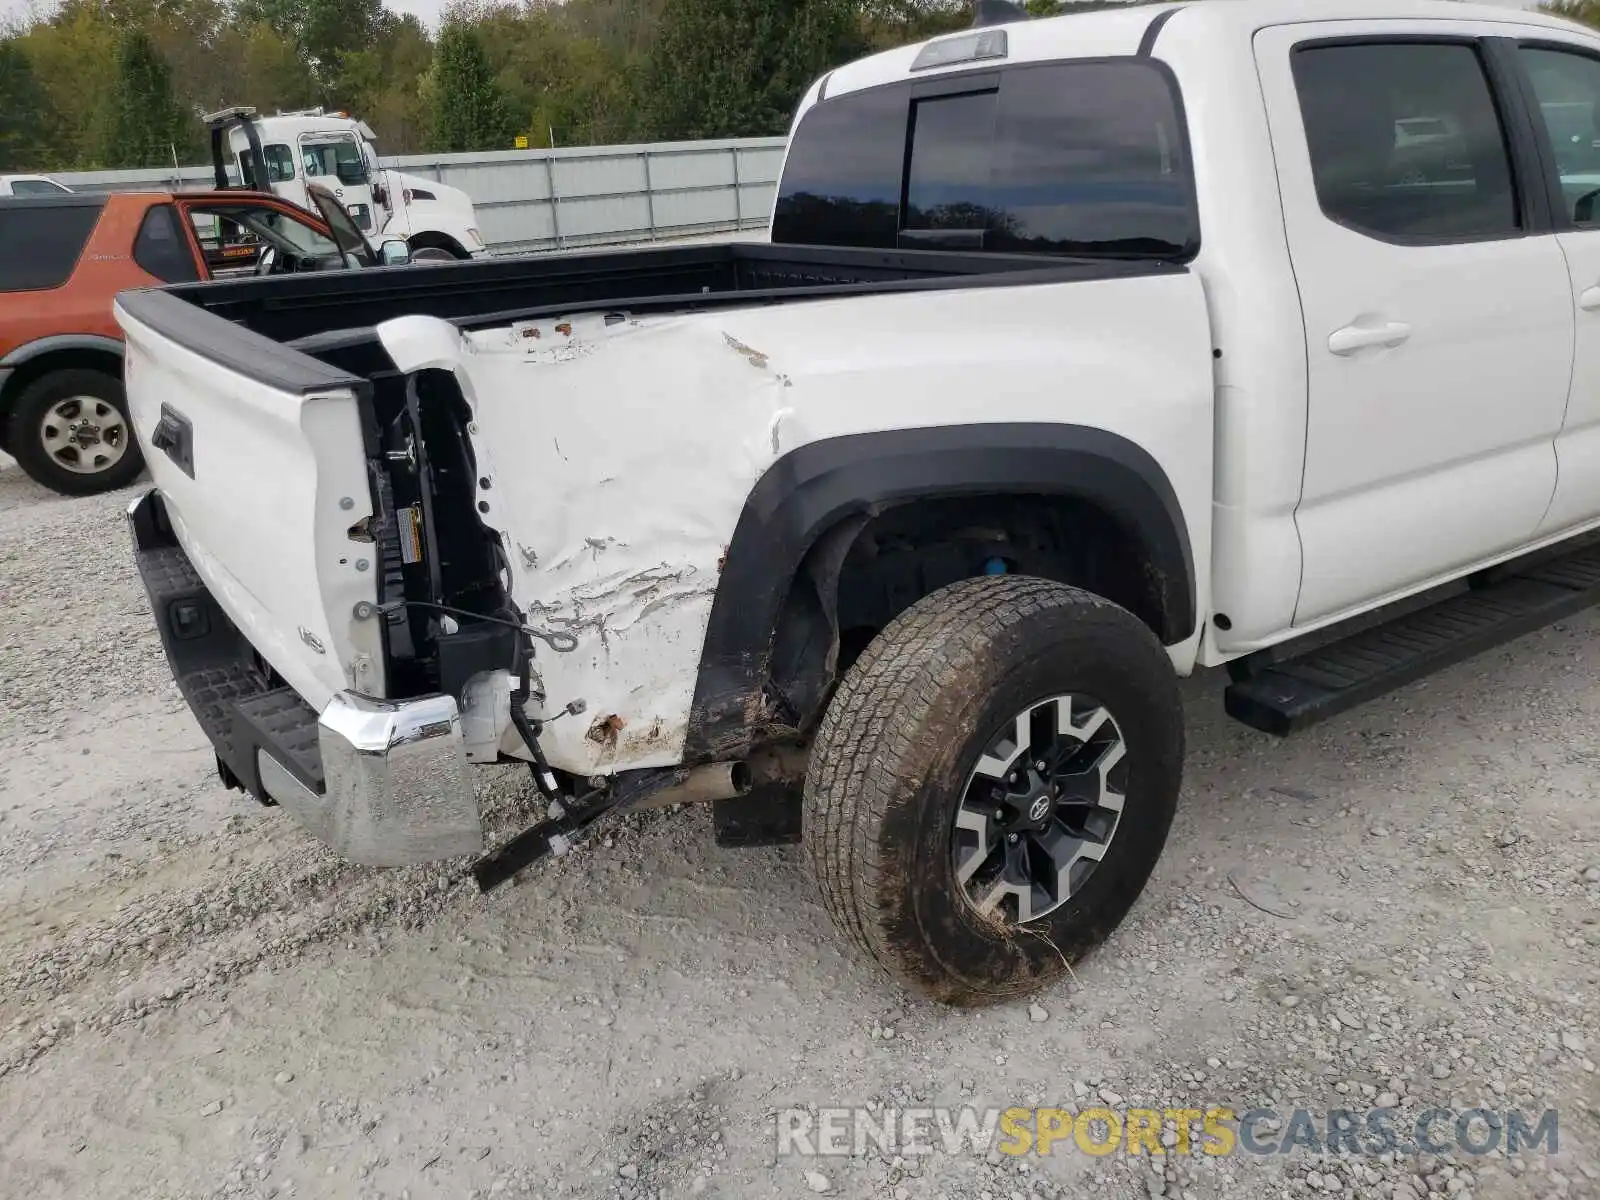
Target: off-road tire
point(30, 409)
point(900, 739)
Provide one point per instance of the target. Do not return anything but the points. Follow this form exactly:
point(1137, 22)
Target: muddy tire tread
point(863, 749)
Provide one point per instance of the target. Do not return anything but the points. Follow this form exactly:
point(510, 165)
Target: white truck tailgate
point(258, 455)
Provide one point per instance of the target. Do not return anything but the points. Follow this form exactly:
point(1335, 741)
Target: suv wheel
point(71, 432)
point(993, 784)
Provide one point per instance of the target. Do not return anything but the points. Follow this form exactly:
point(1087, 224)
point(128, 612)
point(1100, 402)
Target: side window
point(37, 187)
point(229, 248)
point(160, 248)
point(41, 241)
point(235, 234)
point(280, 162)
point(1568, 89)
point(306, 239)
point(280, 165)
point(324, 158)
point(1415, 151)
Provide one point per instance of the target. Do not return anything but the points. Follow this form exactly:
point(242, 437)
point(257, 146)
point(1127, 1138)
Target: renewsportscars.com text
point(1219, 1131)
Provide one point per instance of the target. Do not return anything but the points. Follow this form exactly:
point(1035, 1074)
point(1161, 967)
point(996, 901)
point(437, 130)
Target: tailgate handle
point(174, 437)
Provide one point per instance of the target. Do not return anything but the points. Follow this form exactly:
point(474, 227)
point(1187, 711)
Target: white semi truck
point(286, 152)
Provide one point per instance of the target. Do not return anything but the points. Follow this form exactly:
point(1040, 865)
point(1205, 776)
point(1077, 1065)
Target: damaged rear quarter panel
point(618, 456)
point(617, 460)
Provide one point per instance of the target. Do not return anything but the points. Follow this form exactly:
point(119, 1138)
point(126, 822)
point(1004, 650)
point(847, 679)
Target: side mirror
point(351, 174)
point(394, 253)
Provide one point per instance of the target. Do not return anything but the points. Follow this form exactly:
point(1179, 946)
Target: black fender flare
point(814, 488)
point(58, 342)
point(433, 239)
point(30, 351)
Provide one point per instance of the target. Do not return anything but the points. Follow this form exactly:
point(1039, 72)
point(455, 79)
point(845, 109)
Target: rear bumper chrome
point(383, 782)
point(397, 790)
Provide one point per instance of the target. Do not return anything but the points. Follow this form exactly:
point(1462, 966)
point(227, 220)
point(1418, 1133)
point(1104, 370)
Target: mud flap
point(768, 816)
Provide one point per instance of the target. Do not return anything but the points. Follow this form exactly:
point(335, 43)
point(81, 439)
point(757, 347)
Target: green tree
point(1585, 11)
point(192, 37)
point(334, 30)
point(286, 17)
point(327, 34)
point(266, 70)
point(736, 68)
point(23, 109)
point(572, 68)
point(74, 60)
point(381, 84)
point(888, 23)
point(145, 126)
point(469, 108)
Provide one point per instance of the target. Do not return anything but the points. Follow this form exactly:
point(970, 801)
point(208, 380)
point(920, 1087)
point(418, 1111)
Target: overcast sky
point(428, 10)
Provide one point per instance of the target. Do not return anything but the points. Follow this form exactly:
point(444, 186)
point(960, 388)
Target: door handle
point(1358, 337)
point(1589, 298)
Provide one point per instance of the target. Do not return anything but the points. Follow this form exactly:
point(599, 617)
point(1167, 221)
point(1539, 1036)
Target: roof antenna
point(996, 12)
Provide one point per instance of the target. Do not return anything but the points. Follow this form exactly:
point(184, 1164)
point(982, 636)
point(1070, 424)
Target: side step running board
point(1287, 696)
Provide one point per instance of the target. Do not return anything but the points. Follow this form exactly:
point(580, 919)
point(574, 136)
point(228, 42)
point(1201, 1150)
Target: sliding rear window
point(1074, 158)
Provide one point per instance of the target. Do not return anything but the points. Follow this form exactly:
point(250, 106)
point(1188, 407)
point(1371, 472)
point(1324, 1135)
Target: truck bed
point(342, 457)
point(331, 315)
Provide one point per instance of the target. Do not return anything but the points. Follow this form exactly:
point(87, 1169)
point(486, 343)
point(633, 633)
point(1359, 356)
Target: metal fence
point(552, 199)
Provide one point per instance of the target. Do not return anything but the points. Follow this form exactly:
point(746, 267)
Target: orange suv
point(64, 258)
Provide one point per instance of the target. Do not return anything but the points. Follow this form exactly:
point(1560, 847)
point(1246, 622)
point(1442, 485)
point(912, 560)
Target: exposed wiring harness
point(543, 777)
point(561, 643)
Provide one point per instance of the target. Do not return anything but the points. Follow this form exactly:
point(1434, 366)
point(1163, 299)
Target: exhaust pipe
point(703, 785)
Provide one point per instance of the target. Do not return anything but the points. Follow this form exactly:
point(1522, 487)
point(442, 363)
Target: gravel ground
point(1399, 908)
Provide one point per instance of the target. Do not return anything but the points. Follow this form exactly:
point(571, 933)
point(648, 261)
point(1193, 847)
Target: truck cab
point(289, 152)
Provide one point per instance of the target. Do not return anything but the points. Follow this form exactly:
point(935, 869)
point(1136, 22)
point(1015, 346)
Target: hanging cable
point(561, 643)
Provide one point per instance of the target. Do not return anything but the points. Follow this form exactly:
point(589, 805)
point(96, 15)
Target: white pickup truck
point(1086, 352)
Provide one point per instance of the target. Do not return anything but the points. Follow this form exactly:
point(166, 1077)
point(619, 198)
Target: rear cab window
point(1085, 157)
point(279, 160)
point(42, 238)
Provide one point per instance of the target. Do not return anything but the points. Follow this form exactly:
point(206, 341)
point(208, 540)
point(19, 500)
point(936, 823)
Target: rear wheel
point(70, 431)
point(993, 784)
